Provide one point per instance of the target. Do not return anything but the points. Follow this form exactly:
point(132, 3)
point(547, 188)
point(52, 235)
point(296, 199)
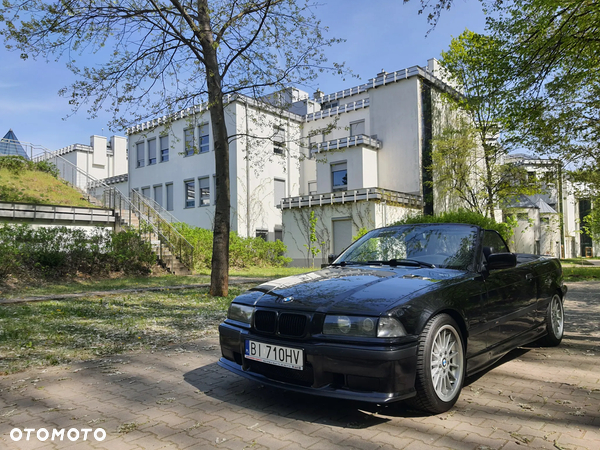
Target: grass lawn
point(86, 285)
point(578, 273)
point(55, 332)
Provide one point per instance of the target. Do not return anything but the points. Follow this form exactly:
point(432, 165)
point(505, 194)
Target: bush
point(55, 252)
point(17, 164)
point(462, 216)
point(243, 252)
point(131, 254)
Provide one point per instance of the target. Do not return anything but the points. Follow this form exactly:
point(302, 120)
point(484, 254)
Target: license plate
point(292, 358)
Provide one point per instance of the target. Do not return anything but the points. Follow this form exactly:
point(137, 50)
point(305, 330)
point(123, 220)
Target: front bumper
point(377, 375)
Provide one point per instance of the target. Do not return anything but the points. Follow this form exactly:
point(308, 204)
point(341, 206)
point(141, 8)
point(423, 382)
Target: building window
point(151, 152)
point(204, 188)
point(158, 194)
point(339, 177)
point(146, 192)
point(279, 191)
point(188, 136)
point(278, 233)
point(190, 193)
point(312, 187)
point(169, 187)
point(164, 148)
point(279, 141)
point(141, 160)
point(204, 138)
point(262, 233)
point(357, 128)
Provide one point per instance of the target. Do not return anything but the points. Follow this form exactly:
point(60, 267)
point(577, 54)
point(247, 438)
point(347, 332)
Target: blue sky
point(380, 34)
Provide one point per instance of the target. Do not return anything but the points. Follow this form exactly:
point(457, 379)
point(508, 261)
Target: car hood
point(364, 290)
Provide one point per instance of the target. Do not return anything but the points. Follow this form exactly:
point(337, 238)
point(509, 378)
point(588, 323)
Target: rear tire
point(555, 322)
point(440, 365)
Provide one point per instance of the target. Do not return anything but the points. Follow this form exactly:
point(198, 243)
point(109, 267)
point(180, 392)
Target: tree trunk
point(219, 277)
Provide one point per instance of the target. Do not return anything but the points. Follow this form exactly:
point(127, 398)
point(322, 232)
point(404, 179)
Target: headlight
point(241, 313)
point(390, 327)
point(350, 326)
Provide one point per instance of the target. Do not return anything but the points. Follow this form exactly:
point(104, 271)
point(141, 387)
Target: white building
point(104, 159)
point(172, 161)
point(358, 159)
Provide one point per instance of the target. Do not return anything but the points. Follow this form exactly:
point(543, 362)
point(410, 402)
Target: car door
point(510, 296)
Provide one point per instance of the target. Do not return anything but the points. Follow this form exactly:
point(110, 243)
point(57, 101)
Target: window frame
point(151, 143)
point(188, 142)
point(190, 200)
point(140, 162)
point(202, 201)
point(203, 139)
point(164, 151)
point(340, 187)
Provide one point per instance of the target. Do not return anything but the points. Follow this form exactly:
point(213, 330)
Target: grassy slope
point(37, 187)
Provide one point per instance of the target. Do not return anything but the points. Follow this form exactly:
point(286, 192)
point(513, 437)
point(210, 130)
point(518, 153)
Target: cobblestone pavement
point(178, 398)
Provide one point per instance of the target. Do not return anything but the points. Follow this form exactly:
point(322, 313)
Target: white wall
point(251, 178)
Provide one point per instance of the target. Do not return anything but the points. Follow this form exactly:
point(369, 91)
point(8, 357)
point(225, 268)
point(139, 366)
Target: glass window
point(493, 243)
point(190, 194)
point(141, 160)
point(204, 187)
point(278, 235)
point(164, 148)
point(339, 177)
point(204, 138)
point(146, 192)
point(357, 128)
point(279, 141)
point(169, 187)
point(158, 194)
point(151, 152)
point(279, 191)
point(189, 141)
point(262, 233)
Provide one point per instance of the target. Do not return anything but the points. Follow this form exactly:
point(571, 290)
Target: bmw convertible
point(405, 313)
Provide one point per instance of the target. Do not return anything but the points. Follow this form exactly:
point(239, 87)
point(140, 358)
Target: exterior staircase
point(155, 225)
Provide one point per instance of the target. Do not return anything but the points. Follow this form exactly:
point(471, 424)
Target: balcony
point(353, 196)
point(350, 141)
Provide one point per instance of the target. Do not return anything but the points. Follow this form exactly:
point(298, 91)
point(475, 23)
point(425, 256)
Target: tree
point(553, 67)
point(468, 158)
point(161, 56)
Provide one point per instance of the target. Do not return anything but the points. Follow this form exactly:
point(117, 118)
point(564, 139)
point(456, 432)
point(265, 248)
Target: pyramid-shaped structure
point(10, 145)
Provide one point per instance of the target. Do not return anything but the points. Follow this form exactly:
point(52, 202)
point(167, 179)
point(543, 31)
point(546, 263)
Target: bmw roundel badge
point(287, 299)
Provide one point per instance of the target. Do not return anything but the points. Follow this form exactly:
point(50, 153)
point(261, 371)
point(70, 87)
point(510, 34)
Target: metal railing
point(151, 220)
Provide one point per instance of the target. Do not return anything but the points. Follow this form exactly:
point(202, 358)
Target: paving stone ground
point(178, 398)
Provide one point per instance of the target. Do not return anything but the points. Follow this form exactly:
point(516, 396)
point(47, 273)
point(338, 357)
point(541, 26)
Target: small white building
point(104, 160)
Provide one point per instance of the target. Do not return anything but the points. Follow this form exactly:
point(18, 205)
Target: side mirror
point(501, 261)
point(331, 258)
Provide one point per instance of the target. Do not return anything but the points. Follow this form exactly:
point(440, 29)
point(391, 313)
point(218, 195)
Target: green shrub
point(131, 254)
point(243, 252)
point(55, 252)
point(17, 164)
point(462, 216)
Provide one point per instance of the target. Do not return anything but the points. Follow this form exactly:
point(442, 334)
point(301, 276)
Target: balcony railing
point(352, 196)
point(349, 141)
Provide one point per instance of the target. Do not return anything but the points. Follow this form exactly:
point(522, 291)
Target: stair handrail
point(175, 241)
point(182, 248)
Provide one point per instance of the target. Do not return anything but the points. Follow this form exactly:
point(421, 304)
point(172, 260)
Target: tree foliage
point(157, 57)
point(468, 158)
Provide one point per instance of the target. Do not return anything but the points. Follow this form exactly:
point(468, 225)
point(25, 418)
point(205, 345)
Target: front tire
point(555, 322)
point(440, 365)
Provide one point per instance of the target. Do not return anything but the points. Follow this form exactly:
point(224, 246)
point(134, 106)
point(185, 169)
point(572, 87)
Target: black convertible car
point(405, 312)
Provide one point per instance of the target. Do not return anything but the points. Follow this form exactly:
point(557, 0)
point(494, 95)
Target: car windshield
point(448, 246)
